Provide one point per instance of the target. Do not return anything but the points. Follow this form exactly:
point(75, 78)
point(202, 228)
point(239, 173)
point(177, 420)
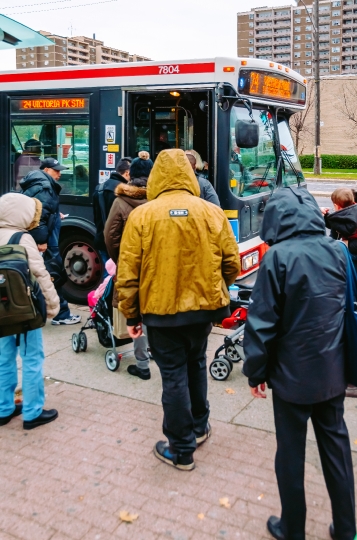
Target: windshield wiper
point(297, 173)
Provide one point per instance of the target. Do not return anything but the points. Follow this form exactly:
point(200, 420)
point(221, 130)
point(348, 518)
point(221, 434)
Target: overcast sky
point(159, 29)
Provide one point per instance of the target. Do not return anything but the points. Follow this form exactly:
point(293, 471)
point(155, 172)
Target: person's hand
point(324, 210)
point(259, 393)
point(62, 216)
point(41, 247)
point(135, 331)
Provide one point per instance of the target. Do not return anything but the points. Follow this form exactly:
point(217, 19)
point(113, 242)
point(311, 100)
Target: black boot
point(6, 419)
point(44, 418)
point(141, 373)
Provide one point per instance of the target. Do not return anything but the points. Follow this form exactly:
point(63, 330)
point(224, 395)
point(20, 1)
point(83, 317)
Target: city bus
point(233, 112)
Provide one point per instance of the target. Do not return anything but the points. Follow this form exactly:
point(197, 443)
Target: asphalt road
point(322, 189)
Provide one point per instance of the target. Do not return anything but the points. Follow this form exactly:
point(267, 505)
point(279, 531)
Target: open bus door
point(160, 120)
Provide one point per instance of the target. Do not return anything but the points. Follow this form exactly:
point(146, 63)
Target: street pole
point(317, 157)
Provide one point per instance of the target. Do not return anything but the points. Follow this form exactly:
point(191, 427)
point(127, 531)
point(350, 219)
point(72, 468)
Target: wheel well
point(67, 232)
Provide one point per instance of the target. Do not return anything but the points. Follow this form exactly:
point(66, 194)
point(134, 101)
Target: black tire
point(232, 353)
point(112, 361)
point(76, 292)
point(220, 369)
point(75, 342)
point(83, 343)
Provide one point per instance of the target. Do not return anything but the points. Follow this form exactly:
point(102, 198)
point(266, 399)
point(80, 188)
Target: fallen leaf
point(225, 502)
point(230, 391)
point(128, 518)
point(355, 441)
point(81, 498)
point(200, 516)
point(260, 496)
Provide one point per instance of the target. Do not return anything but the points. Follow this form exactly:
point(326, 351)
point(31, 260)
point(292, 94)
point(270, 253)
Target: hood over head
point(172, 171)
point(18, 211)
point(289, 212)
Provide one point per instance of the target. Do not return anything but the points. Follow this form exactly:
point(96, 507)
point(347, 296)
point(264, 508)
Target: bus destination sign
point(50, 104)
point(272, 86)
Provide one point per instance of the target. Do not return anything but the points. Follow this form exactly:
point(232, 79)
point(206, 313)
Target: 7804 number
point(168, 70)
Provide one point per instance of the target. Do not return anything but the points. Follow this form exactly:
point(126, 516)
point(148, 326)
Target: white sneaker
point(72, 319)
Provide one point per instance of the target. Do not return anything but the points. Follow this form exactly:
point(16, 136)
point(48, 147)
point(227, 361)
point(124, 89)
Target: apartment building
point(72, 51)
point(285, 34)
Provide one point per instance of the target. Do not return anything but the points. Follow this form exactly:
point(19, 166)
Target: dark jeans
point(52, 243)
point(336, 460)
point(180, 353)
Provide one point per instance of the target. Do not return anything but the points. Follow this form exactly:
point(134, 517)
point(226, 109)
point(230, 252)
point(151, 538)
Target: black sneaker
point(44, 418)
point(273, 526)
point(6, 419)
point(184, 462)
point(141, 373)
point(201, 438)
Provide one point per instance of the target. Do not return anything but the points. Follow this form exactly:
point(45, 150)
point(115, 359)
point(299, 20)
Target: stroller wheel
point(75, 342)
point(220, 368)
point(233, 354)
point(82, 342)
point(112, 361)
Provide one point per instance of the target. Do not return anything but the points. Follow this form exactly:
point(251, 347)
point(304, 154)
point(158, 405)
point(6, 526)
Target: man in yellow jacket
point(178, 256)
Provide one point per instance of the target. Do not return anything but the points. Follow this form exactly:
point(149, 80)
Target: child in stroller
point(101, 318)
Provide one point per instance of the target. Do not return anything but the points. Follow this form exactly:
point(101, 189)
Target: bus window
point(291, 170)
point(68, 143)
point(252, 170)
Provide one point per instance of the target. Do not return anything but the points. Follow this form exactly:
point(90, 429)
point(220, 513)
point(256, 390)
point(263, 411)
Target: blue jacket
point(207, 191)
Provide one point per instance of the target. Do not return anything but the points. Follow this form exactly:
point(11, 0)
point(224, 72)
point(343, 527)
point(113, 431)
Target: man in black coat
point(43, 185)
point(293, 340)
point(120, 176)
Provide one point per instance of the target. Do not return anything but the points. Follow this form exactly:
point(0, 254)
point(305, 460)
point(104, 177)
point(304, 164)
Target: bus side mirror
point(247, 134)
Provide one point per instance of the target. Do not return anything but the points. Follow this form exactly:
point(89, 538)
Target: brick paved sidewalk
point(72, 478)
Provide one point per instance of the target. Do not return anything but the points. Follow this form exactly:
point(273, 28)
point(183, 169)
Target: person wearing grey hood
point(293, 341)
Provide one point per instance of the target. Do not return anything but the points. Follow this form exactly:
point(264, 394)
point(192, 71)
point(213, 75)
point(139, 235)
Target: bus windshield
point(252, 170)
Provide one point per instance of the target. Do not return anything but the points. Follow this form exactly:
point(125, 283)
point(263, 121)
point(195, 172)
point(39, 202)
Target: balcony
point(283, 33)
point(282, 17)
point(349, 62)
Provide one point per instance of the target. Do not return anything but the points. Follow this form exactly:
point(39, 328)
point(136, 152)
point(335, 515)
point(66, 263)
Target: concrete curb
point(329, 179)
point(321, 193)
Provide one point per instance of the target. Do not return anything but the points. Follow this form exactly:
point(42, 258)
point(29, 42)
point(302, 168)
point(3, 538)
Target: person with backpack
point(21, 214)
point(103, 198)
point(43, 184)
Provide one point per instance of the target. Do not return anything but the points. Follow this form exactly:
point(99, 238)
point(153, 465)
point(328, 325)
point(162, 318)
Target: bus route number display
point(272, 86)
point(269, 85)
point(50, 104)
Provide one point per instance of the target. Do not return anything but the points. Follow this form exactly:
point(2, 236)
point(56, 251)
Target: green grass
point(331, 174)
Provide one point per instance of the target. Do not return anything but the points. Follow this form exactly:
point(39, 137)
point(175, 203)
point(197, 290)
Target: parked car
point(78, 152)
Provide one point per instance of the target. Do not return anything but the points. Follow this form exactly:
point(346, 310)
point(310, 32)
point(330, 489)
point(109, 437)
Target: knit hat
point(141, 166)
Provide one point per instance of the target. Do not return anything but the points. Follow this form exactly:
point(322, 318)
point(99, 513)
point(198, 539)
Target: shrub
point(330, 161)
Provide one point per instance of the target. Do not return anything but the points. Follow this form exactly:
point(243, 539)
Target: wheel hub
point(82, 264)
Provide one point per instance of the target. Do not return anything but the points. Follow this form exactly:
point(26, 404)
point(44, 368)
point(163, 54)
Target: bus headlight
point(250, 260)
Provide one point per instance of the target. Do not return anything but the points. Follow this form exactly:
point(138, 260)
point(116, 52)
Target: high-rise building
point(285, 34)
point(72, 51)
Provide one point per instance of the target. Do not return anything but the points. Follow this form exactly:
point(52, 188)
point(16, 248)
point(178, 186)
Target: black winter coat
point(343, 224)
point(109, 197)
point(43, 187)
point(293, 338)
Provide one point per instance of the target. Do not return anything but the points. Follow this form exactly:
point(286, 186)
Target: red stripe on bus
point(127, 71)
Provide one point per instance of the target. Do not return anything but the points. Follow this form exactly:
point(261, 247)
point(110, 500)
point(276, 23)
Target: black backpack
point(22, 304)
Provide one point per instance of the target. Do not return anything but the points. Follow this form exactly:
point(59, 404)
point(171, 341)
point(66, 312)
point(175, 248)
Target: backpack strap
point(16, 237)
point(102, 202)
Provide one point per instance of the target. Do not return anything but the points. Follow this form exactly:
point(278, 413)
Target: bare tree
point(347, 105)
point(302, 122)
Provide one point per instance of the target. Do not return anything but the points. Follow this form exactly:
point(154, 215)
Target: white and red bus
point(88, 117)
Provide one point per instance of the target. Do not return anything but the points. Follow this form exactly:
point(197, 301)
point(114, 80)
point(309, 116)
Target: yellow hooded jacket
point(178, 253)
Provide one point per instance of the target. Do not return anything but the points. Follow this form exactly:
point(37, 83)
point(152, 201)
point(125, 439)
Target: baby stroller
point(222, 364)
point(101, 318)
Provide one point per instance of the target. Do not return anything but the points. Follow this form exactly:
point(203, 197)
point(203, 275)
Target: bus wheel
point(83, 266)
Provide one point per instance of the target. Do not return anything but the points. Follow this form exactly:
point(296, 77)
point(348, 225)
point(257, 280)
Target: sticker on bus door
point(109, 134)
point(103, 176)
point(110, 160)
